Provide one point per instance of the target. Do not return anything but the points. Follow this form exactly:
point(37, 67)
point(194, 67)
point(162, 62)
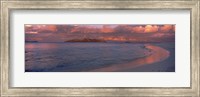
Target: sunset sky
point(111, 32)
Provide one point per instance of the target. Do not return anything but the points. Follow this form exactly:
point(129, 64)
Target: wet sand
point(158, 54)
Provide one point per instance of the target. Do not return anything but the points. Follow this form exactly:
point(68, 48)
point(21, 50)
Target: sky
point(109, 32)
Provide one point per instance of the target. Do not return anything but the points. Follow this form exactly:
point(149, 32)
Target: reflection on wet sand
point(158, 54)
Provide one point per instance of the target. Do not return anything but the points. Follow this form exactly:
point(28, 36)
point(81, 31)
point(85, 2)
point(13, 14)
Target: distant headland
point(31, 41)
point(85, 40)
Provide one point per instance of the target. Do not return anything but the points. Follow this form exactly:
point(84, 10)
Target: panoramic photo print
point(99, 47)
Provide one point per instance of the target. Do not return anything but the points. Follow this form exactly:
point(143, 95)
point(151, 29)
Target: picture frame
point(7, 6)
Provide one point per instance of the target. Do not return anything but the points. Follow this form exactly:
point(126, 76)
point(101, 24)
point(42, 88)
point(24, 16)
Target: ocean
point(80, 57)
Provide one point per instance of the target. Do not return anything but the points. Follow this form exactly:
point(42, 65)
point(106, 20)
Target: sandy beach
point(158, 54)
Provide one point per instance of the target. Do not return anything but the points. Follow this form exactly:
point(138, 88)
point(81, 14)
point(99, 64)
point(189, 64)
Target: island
point(27, 41)
point(85, 40)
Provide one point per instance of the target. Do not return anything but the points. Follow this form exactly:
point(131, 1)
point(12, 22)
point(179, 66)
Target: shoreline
point(158, 54)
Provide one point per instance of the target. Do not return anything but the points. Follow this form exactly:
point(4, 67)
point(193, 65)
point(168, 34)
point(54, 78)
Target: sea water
point(75, 57)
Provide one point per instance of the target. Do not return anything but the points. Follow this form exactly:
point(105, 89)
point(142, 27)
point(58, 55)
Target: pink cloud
point(151, 29)
point(138, 29)
point(166, 28)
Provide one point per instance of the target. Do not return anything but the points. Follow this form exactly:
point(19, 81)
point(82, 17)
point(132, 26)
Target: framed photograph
point(100, 48)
